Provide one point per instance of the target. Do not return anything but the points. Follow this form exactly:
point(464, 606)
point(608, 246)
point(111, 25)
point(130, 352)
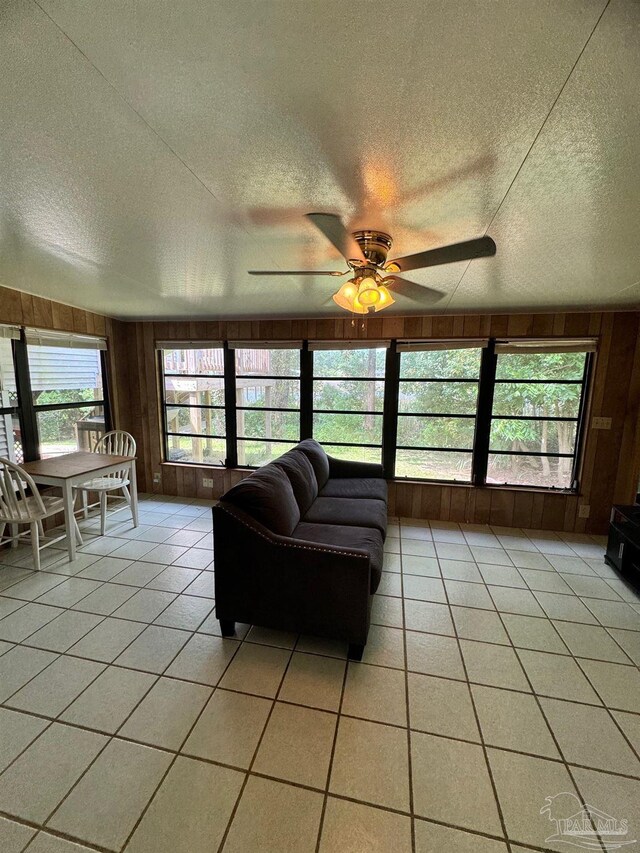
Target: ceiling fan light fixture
point(347, 297)
point(368, 293)
point(386, 299)
point(366, 255)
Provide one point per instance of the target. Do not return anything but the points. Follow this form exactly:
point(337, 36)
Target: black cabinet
point(623, 545)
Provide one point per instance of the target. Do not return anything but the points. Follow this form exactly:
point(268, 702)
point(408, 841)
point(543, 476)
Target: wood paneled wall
point(611, 458)
point(23, 309)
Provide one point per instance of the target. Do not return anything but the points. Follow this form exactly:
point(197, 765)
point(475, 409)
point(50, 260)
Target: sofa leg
point(227, 627)
point(355, 651)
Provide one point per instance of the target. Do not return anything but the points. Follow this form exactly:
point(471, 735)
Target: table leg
point(67, 496)
point(134, 492)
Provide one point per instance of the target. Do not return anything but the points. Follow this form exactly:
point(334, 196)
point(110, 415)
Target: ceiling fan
point(366, 255)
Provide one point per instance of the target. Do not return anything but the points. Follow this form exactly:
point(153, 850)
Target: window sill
point(195, 465)
point(491, 486)
point(401, 480)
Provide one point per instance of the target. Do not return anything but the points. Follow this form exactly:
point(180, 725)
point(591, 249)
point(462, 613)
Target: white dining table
point(73, 469)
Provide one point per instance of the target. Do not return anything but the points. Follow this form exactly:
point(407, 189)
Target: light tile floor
point(501, 669)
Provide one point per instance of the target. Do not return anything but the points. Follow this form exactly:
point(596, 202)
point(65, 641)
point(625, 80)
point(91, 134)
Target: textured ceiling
point(152, 152)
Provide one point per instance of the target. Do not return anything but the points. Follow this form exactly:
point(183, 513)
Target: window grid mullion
point(488, 365)
point(393, 380)
point(27, 416)
point(390, 410)
point(230, 400)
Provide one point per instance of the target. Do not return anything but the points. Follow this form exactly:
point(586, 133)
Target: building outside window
point(10, 433)
point(67, 391)
point(267, 379)
point(194, 403)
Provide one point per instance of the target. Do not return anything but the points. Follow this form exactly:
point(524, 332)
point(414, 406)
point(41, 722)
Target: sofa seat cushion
point(355, 487)
point(363, 538)
point(349, 513)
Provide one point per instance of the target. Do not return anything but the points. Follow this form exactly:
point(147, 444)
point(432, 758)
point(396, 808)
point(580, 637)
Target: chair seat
point(30, 511)
point(104, 484)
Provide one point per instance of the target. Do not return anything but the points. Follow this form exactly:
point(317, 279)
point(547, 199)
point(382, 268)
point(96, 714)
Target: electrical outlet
point(584, 511)
point(157, 477)
point(601, 423)
point(206, 483)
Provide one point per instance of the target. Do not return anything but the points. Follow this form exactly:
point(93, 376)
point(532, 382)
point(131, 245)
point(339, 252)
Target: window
point(348, 399)
point(475, 411)
point(437, 407)
point(67, 391)
point(194, 403)
point(10, 435)
point(538, 401)
point(267, 401)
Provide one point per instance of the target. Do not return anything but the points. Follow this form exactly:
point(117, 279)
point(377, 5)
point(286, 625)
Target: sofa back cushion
point(318, 458)
point(301, 476)
point(267, 496)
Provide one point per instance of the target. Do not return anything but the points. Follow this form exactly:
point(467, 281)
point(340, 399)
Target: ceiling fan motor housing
point(375, 245)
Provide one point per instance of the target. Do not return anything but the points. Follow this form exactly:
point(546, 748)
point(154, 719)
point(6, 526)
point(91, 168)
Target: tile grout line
point(110, 739)
point(472, 833)
point(325, 798)
point(407, 699)
point(178, 752)
point(550, 729)
point(577, 660)
point(330, 657)
point(477, 720)
point(608, 709)
point(193, 633)
point(112, 614)
point(245, 782)
point(150, 744)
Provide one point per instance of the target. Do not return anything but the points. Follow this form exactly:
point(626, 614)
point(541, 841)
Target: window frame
point(27, 410)
point(364, 345)
point(12, 411)
point(164, 406)
point(580, 421)
point(389, 414)
point(286, 378)
point(471, 451)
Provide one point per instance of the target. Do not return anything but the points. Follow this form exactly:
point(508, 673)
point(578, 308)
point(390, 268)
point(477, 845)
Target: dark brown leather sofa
point(298, 546)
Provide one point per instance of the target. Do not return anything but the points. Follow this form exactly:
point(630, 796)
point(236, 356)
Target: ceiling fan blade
point(335, 232)
point(297, 272)
point(483, 247)
point(412, 290)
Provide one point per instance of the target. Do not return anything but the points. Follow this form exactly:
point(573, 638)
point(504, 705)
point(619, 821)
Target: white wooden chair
point(18, 508)
point(119, 443)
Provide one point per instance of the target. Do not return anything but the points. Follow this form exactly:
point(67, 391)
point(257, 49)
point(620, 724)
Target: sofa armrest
point(346, 468)
point(287, 583)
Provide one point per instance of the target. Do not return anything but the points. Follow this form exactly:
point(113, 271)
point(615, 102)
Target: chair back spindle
point(14, 483)
point(118, 442)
